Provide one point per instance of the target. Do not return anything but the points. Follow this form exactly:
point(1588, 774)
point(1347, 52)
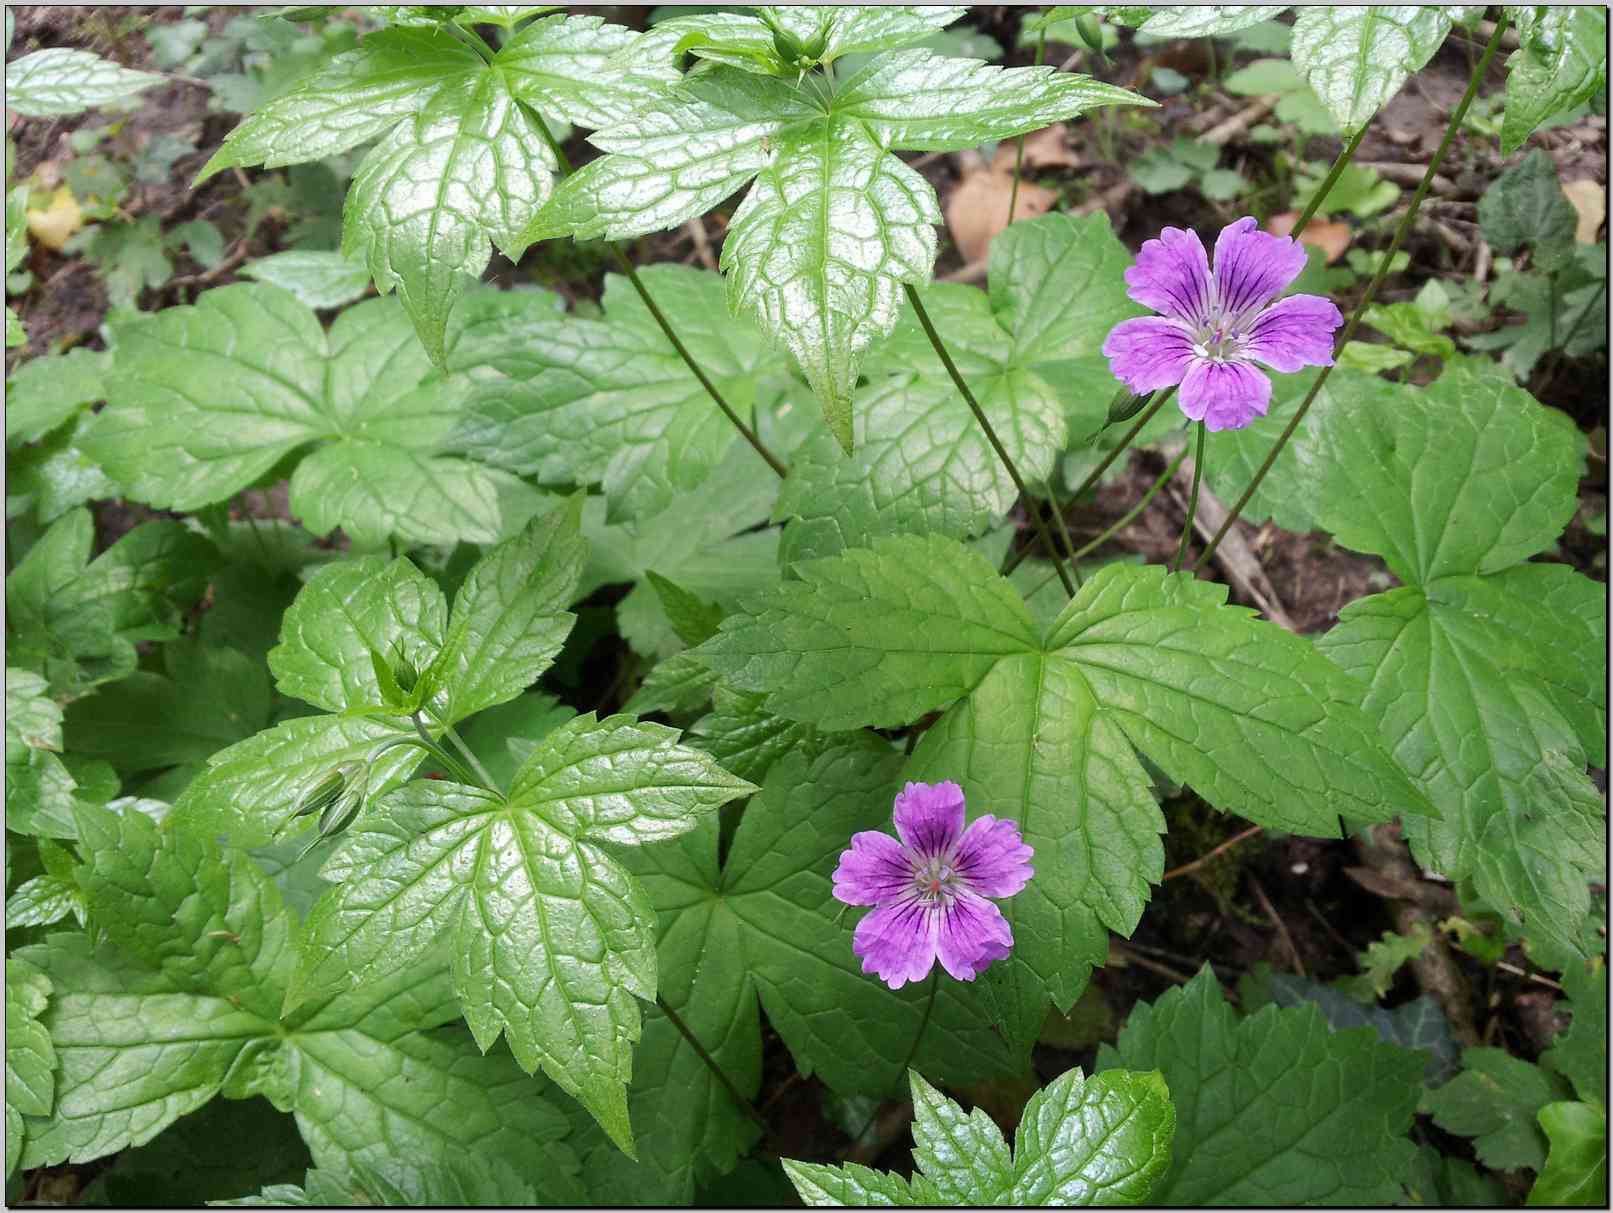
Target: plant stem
point(912, 1049)
point(1192, 501)
point(436, 748)
point(471, 39)
point(1378, 276)
point(991, 434)
point(745, 431)
point(1143, 419)
point(476, 763)
point(1019, 144)
point(711, 1064)
point(1322, 191)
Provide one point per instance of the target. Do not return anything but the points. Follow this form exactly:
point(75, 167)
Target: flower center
point(935, 880)
point(1219, 340)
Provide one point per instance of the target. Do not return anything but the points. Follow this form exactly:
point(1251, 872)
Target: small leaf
point(1576, 1167)
point(30, 1058)
point(61, 81)
point(319, 280)
point(1494, 1100)
point(1561, 62)
point(1357, 58)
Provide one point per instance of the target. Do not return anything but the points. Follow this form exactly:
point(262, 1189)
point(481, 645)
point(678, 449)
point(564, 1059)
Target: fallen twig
point(1198, 863)
point(1277, 921)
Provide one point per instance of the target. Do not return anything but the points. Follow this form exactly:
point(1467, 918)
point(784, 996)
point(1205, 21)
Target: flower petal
point(874, 868)
point(1224, 395)
point(993, 859)
point(1252, 267)
point(1149, 352)
point(1172, 275)
point(1295, 332)
point(898, 941)
point(929, 816)
point(973, 934)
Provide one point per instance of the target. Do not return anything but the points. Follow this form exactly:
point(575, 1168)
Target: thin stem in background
point(711, 1064)
point(1126, 440)
point(1192, 501)
point(1019, 144)
point(1378, 276)
point(991, 434)
point(745, 431)
point(912, 1049)
point(1322, 191)
point(1125, 519)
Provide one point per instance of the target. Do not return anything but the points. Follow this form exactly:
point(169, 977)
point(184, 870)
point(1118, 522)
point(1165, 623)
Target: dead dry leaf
point(53, 224)
point(1590, 202)
point(1332, 238)
point(978, 209)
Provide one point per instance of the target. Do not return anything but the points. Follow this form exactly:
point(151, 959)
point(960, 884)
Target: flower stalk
point(1192, 501)
point(991, 436)
point(1455, 124)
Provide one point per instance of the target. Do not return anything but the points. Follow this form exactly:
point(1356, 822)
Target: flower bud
point(1091, 33)
point(1126, 406)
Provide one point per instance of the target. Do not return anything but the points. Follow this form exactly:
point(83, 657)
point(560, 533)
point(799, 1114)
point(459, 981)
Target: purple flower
point(929, 890)
point(1215, 328)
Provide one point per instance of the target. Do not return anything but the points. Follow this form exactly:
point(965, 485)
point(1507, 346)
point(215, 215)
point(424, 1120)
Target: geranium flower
point(929, 890)
point(1214, 329)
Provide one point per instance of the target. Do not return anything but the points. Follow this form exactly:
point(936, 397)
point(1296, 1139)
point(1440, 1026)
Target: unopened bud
point(319, 797)
point(1091, 33)
point(1126, 405)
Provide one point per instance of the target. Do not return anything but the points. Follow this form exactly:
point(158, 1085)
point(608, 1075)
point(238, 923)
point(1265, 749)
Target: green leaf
point(1275, 1108)
point(54, 476)
point(191, 1010)
point(208, 699)
point(76, 620)
point(407, 1183)
point(1580, 1053)
point(1494, 480)
point(610, 401)
point(777, 40)
point(551, 936)
point(61, 81)
point(921, 463)
point(42, 901)
point(707, 542)
point(1526, 206)
point(1099, 1141)
point(746, 739)
point(1305, 751)
point(1205, 20)
point(44, 392)
point(1382, 959)
point(248, 791)
point(30, 1058)
point(1441, 1180)
point(207, 399)
point(1576, 1167)
point(1561, 62)
point(462, 160)
point(1494, 1100)
point(835, 225)
point(509, 618)
point(1357, 58)
point(319, 280)
point(346, 611)
point(880, 636)
point(33, 718)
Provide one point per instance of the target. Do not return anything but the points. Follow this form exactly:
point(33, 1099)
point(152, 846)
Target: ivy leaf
point(921, 464)
point(1561, 62)
point(1497, 734)
point(60, 81)
point(1099, 1141)
point(1356, 59)
point(1275, 1108)
point(207, 399)
point(462, 160)
point(610, 401)
point(30, 1058)
point(190, 1010)
point(835, 225)
point(552, 937)
point(1576, 1167)
point(1494, 1100)
point(880, 636)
